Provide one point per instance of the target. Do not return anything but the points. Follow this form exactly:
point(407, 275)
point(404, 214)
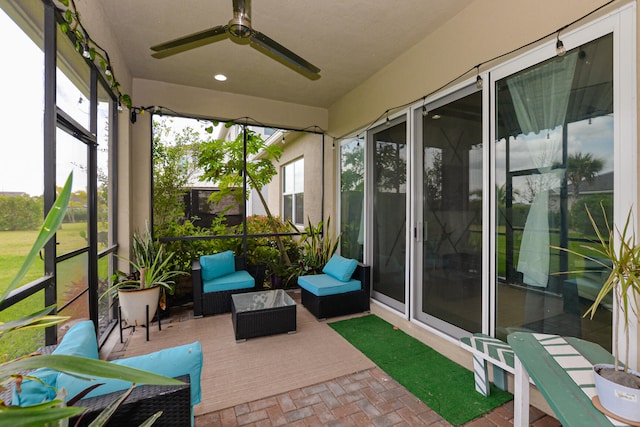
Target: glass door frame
point(396, 306)
point(461, 90)
point(622, 24)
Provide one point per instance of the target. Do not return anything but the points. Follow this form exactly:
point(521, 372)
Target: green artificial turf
point(441, 384)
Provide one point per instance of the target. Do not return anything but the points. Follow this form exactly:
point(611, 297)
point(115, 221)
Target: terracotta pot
point(134, 302)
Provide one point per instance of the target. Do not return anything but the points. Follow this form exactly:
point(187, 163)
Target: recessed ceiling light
point(220, 77)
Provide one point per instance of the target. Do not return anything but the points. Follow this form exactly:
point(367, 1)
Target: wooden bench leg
point(481, 375)
point(521, 396)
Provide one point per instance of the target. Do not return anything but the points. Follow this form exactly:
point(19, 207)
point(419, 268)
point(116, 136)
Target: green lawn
point(13, 250)
point(575, 262)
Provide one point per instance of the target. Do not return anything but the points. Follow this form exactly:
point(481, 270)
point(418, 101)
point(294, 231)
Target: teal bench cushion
point(80, 340)
point(323, 284)
point(236, 280)
point(33, 392)
point(171, 362)
point(340, 268)
point(217, 265)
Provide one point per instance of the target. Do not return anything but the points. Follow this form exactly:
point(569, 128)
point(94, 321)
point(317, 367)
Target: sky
point(21, 134)
point(20, 112)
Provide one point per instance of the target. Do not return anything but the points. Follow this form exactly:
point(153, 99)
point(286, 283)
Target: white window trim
point(292, 163)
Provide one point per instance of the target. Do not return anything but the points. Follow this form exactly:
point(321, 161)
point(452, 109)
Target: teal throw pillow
point(340, 268)
point(80, 340)
point(217, 265)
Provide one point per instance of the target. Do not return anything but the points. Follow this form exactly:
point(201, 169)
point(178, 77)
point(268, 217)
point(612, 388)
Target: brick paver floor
point(367, 398)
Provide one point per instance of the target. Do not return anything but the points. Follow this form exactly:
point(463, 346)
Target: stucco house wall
point(308, 146)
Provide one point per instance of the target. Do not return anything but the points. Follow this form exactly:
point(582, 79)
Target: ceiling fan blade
point(191, 41)
point(283, 55)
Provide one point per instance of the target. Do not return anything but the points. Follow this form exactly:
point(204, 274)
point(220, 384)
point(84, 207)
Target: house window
point(293, 191)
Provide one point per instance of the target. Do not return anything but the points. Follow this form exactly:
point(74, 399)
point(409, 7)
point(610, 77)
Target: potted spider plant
point(152, 278)
point(617, 386)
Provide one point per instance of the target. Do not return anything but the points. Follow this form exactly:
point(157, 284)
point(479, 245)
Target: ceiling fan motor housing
point(240, 27)
point(240, 24)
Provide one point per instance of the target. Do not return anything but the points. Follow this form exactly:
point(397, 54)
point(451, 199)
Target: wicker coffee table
point(255, 314)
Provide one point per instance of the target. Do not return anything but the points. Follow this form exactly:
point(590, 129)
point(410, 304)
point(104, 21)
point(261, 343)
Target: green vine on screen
point(89, 48)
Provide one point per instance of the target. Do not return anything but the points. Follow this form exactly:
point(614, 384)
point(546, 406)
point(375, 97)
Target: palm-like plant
point(620, 249)
point(624, 278)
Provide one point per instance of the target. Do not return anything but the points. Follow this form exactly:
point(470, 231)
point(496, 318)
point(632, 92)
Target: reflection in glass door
point(451, 146)
point(389, 143)
point(554, 150)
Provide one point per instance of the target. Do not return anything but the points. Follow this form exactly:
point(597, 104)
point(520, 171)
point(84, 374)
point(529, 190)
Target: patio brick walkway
point(367, 398)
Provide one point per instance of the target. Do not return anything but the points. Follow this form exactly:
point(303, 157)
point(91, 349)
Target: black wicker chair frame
point(143, 402)
point(341, 304)
point(210, 303)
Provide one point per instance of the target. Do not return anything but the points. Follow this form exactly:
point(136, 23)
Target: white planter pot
point(622, 401)
point(134, 302)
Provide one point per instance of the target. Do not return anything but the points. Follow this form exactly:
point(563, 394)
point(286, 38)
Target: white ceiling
point(349, 40)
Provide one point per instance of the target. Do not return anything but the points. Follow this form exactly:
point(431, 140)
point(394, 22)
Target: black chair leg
point(147, 325)
point(120, 323)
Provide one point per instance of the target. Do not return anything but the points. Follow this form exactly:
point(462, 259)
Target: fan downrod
point(240, 24)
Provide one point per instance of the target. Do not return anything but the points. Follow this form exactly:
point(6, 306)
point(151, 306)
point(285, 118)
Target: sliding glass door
point(501, 180)
point(554, 155)
point(450, 254)
point(388, 145)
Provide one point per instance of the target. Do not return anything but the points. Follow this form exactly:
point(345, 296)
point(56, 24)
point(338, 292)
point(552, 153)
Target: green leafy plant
point(185, 251)
point(71, 25)
point(223, 162)
point(317, 247)
point(151, 267)
point(12, 371)
point(619, 248)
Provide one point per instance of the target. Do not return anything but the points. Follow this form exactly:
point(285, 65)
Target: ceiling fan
point(240, 31)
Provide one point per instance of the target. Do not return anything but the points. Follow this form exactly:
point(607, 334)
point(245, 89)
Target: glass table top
point(261, 300)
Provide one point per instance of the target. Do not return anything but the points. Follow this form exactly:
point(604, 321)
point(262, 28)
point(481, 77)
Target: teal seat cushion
point(323, 284)
point(171, 362)
point(80, 340)
point(217, 265)
point(237, 280)
point(340, 268)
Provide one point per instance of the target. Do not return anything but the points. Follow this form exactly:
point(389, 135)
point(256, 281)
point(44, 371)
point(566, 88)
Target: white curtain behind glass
point(540, 99)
